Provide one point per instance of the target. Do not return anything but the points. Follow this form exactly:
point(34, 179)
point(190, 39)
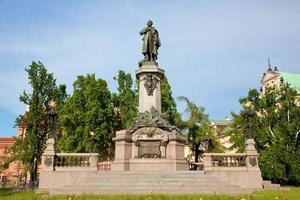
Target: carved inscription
point(252, 161)
point(149, 149)
point(48, 161)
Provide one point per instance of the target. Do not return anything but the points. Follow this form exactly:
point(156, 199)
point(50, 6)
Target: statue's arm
point(158, 39)
point(143, 31)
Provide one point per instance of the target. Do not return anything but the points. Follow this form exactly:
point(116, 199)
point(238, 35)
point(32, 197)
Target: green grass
point(292, 194)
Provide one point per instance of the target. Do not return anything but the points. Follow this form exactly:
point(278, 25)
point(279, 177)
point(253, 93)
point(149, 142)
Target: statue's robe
point(151, 42)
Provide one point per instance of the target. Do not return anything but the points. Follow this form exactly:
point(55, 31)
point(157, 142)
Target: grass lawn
point(292, 194)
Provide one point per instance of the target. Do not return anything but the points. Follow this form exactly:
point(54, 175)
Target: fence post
point(93, 160)
point(48, 156)
point(207, 161)
point(251, 154)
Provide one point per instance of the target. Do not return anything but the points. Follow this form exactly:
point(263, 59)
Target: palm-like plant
point(198, 129)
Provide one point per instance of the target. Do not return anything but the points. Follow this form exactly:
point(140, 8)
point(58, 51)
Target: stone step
point(152, 190)
point(178, 187)
point(147, 179)
point(158, 175)
point(168, 179)
point(145, 182)
point(269, 185)
point(156, 184)
point(150, 183)
point(146, 174)
point(153, 175)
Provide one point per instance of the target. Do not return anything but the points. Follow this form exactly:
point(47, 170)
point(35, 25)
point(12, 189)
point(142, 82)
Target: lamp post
point(206, 141)
point(51, 117)
point(248, 115)
point(51, 122)
point(92, 138)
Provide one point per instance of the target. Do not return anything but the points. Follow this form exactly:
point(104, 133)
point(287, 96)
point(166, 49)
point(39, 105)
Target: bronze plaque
point(149, 149)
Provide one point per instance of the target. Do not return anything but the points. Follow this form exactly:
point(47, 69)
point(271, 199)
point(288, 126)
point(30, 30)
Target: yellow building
point(274, 77)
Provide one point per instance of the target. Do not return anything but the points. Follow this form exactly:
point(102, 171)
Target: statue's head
point(149, 23)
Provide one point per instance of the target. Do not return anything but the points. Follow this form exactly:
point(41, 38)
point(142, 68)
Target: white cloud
point(220, 47)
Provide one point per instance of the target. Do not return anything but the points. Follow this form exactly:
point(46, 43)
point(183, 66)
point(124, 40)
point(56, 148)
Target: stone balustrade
point(67, 161)
point(247, 160)
point(215, 160)
point(104, 166)
point(239, 168)
point(76, 160)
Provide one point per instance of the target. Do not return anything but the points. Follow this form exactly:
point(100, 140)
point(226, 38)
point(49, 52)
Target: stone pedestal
point(252, 155)
point(149, 149)
point(48, 156)
point(93, 160)
point(151, 144)
point(123, 145)
point(250, 147)
point(149, 76)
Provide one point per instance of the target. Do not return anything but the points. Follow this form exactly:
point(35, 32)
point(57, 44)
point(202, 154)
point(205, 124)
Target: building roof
point(6, 142)
point(293, 79)
point(222, 122)
point(222, 126)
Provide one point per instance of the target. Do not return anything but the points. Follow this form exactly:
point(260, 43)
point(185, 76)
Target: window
point(6, 165)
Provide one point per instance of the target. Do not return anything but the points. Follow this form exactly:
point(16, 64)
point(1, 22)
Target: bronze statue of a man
point(151, 42)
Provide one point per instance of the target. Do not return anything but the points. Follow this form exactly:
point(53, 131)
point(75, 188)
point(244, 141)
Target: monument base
point(120, 165)
point(149, 149)
point(158, 165)
point(246, 178)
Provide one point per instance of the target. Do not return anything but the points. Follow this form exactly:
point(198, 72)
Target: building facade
point(12, 173)
point(274, 77)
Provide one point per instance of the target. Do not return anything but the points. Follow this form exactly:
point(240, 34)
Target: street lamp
point(51, 122)
point(92, 138)
point(51, 117)
point(248, 115)
point(206, 146)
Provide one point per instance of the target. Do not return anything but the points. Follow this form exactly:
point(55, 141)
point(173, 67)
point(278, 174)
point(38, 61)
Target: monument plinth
point(149, 149)
point(149, 76)
point(151, 144)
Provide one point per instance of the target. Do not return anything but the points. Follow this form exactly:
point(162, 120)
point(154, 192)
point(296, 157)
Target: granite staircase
point(113, 182)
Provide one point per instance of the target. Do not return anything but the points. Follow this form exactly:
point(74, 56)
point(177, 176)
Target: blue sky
point(212, 51)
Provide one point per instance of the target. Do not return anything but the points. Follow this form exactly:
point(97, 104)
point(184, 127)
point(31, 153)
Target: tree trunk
point(33, 174)
point(197, 153)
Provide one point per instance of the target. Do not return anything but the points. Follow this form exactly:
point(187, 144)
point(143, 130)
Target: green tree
point(125, 101)
point(168, 104)
point(30, 148)
point(198, 129)
point(236, 131)
point(275, 129)
point(87, 118)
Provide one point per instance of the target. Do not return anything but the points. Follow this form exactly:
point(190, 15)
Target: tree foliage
point(88, 111)
point(275, 129)
point(30, 148)
point(168, 104)
point(125, 101)
point(199, 130)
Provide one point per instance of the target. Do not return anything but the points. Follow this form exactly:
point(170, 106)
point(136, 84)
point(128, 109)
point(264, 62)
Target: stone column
point(48, 156)
point(253, 177)
point(149, 76)
point(123, 151)
point(93, 160)
point(175, 150)
point(207, 161)
point(251, 154)
point(250, 147)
